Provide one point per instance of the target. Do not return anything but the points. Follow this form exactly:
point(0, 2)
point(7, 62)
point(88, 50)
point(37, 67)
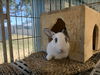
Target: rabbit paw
point(58, 57)
point(48, 57)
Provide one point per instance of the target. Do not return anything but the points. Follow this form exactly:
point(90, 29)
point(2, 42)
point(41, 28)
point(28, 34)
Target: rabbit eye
point(55, 40)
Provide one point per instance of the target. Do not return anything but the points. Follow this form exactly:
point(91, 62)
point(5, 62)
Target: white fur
point(54, 49)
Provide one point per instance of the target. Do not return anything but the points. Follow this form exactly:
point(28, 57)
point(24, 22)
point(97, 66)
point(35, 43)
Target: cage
point(22, 38)
point(20, 29)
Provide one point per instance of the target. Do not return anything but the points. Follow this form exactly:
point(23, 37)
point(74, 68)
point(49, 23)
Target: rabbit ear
point(48, 32)
point(65, 32)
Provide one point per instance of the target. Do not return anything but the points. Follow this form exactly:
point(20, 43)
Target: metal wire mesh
point(25, 24)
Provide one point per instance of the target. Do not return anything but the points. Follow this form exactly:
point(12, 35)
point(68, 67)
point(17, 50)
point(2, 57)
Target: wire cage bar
point(21, 31)
point(9, 32)
point(3, 33)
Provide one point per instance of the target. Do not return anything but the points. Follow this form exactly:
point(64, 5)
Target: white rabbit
point(59, 47)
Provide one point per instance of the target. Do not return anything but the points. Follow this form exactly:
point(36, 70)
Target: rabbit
point(59, 47)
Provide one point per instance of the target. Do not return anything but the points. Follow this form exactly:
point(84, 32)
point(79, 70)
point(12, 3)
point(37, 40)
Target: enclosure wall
point(92, 19)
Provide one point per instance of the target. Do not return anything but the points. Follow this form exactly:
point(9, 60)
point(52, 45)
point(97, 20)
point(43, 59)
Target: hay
point(38, 64)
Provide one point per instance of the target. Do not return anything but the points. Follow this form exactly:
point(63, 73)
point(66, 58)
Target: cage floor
point(38, 64)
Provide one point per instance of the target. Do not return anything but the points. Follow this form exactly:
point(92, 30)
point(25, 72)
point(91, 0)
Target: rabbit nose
point(60, 51)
